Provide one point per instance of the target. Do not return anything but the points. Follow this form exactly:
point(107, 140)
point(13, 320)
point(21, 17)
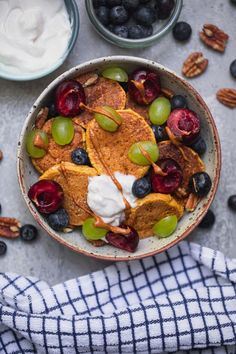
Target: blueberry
point(3, 248)
point(130, 4)
point(148, 31)
point(124, 85)
point(141, 187)
point(144, 1)
point(233, 68)
point(159, 132)
point(121, 31)
point(118, 15)
point(182, 31)
point(0, 208)
point(178, 101)
point(58, 220)
point(103, 15)
point(28, 232)
point(52, 112)
point(137, 32)
point(80, 157)
point(112, 3)
point(145, 15)
point(233, 2)
point(110, 27)
point(232, 202)
point(199, 146)
point(208, 220)
point(97, 3)
point(200, 184)
point(164, 8)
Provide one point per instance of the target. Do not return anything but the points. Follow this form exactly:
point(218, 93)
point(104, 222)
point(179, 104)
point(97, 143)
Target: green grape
point(92, 232)
point(107, 123)
point(135, 154)
point(32, 150)
point(62, 130)
point(159, 110)
point(166, 226)
point(116, 74)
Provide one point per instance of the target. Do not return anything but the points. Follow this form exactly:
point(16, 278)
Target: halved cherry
point(68, 97)
point(169, 183)
point(128, 242)
point(47, 196)
point(144, 86)
point(184, 125)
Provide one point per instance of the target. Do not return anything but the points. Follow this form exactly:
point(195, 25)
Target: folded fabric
point(182, 300)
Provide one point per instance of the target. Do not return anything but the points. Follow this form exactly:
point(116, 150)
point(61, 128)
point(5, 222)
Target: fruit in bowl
point(118, 160)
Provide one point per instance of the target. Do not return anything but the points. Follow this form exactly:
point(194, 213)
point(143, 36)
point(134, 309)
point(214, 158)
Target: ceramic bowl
point(73, 13)
point(150, 246)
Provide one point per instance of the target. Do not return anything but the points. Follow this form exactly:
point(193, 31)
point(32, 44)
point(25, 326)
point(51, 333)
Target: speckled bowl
point(150, 246)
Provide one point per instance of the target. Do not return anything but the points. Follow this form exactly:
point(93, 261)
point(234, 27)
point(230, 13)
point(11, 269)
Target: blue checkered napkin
point(180, 300)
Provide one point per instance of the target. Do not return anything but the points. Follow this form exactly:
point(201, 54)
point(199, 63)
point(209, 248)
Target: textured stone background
point(46, 258)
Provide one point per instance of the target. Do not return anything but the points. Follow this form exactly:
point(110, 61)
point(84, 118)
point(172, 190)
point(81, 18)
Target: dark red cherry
point(128, 242)
point(68, 96)
point(47, 196)
point(169, 183)
point(184, 124)
point(144, 86)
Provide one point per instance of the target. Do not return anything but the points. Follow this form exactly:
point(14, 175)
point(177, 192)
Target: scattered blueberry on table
point(182, 31)
point(3, 248)
point(233, 68)
point(208, 220)
point(28, 232)
point(232, 202)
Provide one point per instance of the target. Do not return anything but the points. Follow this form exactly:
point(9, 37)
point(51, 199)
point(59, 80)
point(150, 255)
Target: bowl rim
point(71, 43)
point(128, 42)
point(98, 62)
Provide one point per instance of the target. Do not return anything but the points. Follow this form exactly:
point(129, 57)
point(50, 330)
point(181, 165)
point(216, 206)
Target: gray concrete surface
point(46, 258)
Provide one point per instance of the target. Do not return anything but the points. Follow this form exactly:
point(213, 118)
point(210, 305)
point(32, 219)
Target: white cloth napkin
point(180, 300)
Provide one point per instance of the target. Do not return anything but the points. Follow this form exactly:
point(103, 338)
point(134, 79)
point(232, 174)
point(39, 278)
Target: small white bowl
point(73, 14)
point(152, 245)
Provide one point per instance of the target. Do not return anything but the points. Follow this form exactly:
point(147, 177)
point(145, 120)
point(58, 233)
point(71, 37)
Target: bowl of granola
point(119, 158)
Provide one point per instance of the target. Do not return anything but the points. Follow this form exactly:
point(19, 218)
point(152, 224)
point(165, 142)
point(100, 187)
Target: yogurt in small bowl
point(36, 38)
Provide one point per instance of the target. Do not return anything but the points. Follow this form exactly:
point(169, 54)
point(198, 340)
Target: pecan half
point(192, 202)
point(214, 37)
point(41, 118)
point(92, 80)
point(167, 92)
point(227, 96)
point(1, 155)
point(194, 65)
point(9, 227)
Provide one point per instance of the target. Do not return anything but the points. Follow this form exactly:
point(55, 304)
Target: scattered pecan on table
point(227, 96)
point(9, 227)
point(214, 37)
point(194, 65)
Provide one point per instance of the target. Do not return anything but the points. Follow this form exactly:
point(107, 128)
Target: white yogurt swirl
point(34, 35)
point(105, 199)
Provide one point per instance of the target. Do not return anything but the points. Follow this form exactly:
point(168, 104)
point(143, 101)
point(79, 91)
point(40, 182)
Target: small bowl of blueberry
point(133, 23)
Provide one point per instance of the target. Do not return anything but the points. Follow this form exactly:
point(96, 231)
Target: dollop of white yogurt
point(105, 199)
point(34, 35)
